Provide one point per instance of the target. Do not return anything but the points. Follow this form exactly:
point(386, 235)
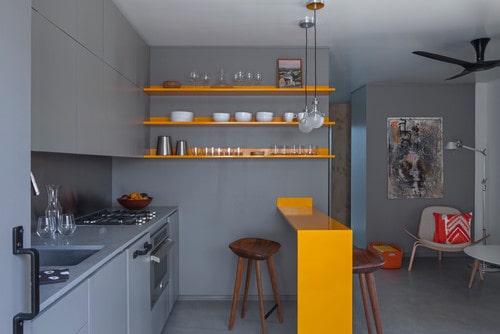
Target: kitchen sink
point(65, 255)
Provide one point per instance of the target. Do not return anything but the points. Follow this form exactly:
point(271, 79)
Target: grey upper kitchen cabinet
point(54, 95)
point(138, 280)
point(108, 298)
point(90, 25)
point(62, 13)
point(68, 316)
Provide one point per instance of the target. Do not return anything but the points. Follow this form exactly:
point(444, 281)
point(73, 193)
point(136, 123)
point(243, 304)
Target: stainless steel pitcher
point(164, 147)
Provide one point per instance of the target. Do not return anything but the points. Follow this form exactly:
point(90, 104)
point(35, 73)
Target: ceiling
point(370, 41)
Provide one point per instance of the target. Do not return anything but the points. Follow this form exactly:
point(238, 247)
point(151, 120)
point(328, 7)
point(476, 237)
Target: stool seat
point(365, 263)
point(254, 248)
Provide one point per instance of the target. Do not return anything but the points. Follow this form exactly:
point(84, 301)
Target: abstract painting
point(415, 157)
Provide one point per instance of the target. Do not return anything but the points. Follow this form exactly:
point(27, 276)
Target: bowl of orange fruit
point(135, 201)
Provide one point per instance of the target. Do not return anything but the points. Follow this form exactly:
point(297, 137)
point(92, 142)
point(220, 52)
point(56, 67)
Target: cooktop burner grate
point(117, 217)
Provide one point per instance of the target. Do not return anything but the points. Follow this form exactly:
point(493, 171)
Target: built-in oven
point(159, 262)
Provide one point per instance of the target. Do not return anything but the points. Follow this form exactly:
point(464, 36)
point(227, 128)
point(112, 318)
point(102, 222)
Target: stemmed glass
point(205, 78)
point(249, 78)
point(194, 77)
point(46, 227)
point(66, 224)
point(238, 77)
point(258, 78)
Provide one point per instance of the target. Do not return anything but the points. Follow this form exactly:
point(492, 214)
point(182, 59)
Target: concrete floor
point(432, 299)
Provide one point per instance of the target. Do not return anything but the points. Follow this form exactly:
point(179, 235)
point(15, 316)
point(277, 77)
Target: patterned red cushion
point(452, 229)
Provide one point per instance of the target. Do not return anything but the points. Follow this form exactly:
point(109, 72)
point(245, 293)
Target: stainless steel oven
point(159, 262)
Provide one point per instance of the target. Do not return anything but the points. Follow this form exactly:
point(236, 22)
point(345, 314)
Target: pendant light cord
point(305, 74)
point(315, 58)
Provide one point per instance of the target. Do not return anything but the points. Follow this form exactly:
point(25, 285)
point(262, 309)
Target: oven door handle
point(147, 248)
point(162, 250)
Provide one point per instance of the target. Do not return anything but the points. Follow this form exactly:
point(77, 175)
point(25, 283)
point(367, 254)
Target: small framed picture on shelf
point(289, 73)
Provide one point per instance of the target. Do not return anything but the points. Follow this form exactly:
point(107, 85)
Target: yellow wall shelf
point(236, 90)
point(246, 153)
point(207, 121)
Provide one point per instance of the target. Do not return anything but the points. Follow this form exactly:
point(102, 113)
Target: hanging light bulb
point(316, 117)
point(305, 125)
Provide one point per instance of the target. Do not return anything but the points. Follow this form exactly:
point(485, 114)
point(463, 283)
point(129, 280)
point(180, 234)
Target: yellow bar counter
point(324, 268)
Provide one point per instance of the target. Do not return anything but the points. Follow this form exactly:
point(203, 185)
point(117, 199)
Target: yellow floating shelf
point(204, 121)
point(246, 153)
point(235, 90)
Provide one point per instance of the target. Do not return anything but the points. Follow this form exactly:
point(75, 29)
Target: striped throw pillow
point(452, 229)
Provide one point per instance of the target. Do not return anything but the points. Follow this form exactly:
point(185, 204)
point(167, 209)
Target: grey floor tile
point(432, 299)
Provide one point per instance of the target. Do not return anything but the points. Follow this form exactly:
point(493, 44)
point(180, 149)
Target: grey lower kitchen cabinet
point(173, 262)
point(68, 316)
point(108, 298)
point(138, 274)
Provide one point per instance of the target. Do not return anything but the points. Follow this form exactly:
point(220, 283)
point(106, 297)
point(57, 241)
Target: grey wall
point(385, 217)
point(222, 200)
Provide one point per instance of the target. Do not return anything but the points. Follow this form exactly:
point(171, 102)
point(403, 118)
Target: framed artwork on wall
point(289, 73)
point(415, 157)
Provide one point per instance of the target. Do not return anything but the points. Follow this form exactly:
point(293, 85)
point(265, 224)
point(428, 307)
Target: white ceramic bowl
point(181, 116)
point(243, 116)
point(264, 116)
point(221, 116)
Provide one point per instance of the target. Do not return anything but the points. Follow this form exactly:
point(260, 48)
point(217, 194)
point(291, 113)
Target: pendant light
point(305, 125)
point(316, 117)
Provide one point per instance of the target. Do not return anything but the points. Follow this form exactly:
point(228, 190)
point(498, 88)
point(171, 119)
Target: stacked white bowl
point(264, 116)
point(243, 116)
point(221, 116)
point(181, 116)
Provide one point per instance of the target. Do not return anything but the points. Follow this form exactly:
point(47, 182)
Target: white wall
point(487, 120)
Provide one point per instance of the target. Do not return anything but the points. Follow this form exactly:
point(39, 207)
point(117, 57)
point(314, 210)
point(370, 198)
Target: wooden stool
point(365, 263)
point(255, 250)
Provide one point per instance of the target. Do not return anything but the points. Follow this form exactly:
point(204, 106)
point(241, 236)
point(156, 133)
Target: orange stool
point(365, 263)
point(255, 250)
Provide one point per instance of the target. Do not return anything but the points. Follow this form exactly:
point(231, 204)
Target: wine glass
point(258, 78)
point(194, 77)
point(205, 78)
point(238, 77)
point(66, 224)
point(249, 78)
point(46, 227)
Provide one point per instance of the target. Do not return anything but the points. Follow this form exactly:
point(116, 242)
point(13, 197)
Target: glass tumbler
point(46, 227)
point(66, 224)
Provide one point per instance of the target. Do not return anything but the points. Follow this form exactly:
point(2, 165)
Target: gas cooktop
point(117, 217)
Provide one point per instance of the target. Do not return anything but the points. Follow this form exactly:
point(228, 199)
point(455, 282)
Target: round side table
point(486, 253)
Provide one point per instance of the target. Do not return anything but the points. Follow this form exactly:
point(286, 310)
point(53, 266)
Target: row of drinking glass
point(239, 78)
point(294, 150)
point(47, 226)
point(216, 151)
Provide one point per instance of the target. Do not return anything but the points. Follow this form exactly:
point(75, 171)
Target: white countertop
point(114, 239)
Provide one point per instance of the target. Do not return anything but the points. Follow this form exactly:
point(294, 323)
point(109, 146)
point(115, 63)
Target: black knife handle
point(17, 249)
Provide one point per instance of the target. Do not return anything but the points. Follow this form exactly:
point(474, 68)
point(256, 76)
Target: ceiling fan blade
point(462, 63)
point(491, 63)
point(464, 72)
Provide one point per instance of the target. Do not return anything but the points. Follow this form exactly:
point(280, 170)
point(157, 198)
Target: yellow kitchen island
point(324, 268)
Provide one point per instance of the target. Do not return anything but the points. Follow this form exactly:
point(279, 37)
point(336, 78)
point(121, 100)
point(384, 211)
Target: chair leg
point(261, 300)
point(372, 290)
point(247, 283)
point(274, 283)
point(236, 291)
point(410, 265)
point(364, 294)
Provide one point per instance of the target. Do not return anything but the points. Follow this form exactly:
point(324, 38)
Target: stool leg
point(372, 290)
point(364, 294)
point(261, 301)
point(236, 291)
point(274, 283)
point(247, 283)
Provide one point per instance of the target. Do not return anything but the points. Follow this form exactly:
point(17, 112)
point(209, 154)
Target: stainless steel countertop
point(115, 240)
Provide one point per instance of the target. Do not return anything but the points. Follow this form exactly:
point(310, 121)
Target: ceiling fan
point(480, 64)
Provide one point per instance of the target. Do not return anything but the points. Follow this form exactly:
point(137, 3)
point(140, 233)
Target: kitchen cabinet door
point(108, 298)
point(173, 261)
point(90, 25)
point(69, 315)
point(139, 302)
point(53, 90)
point(62, 13)
point(115, 40)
